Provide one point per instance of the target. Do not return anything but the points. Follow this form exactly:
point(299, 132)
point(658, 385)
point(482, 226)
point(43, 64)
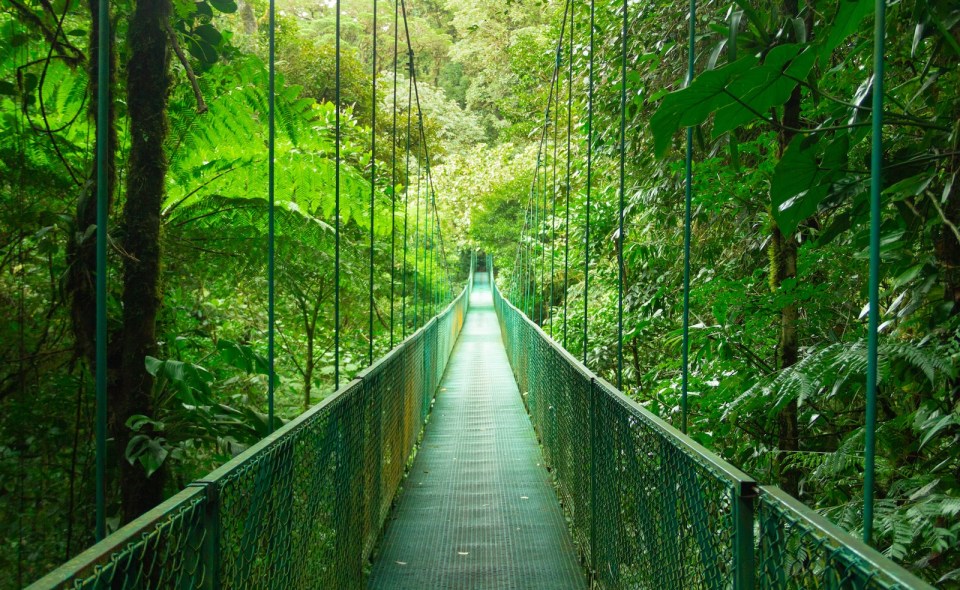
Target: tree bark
point(783, 266)
point(148, 84)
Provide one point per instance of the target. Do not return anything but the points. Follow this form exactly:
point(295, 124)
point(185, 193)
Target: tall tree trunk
point(148, 83)
point(783, 266)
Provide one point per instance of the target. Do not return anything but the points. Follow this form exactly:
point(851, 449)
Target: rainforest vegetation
point(780, 108)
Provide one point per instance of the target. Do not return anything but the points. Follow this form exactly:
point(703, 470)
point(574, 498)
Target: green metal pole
point(103, 137)
point(416, 235)
point(406, 195)
point(393, 173)
point(566, 222)
point(688, 198)
point(876, 169)
point(336, 214)
point(271, 216)
point(373, 181)
point(586, 239)
point(623, 158)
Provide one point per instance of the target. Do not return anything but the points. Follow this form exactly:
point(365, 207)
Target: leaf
point(150, 452)
point(764, 87)
point(803, 178)
point(693, 104)
point(186, 378)
point(850, 13)
point(227, 6)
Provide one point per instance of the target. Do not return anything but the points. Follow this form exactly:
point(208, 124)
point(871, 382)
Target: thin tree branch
point(201, 106)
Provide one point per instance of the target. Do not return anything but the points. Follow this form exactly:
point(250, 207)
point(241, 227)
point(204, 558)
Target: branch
point(201, 106)
point(68, 52)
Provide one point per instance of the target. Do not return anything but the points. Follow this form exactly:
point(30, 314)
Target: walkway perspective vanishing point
point(478, 509)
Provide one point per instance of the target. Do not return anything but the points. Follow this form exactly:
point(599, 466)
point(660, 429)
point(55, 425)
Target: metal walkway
point(478, 510)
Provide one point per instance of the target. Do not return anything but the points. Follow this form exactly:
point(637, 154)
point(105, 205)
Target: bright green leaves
point(804, 177)
point(737, 93)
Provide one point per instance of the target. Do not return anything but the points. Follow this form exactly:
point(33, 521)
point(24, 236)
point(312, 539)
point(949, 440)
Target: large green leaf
point(191, 382)
point(693, 104)
point(804, 176)
point(764, 87)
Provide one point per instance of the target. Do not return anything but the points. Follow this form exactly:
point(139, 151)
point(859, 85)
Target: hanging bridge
point(612, 496)
point(477, 453)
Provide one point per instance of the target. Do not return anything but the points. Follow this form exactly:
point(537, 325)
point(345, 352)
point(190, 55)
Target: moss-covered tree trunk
point(148, 83)
point(783, 266)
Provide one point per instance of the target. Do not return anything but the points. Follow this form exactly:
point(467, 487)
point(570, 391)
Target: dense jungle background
point(780, 108)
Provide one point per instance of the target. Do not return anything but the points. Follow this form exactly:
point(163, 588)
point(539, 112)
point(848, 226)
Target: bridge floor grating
point(478, 511)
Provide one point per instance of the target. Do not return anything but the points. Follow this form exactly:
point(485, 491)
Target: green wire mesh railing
point(651, 508)
point(301, 509)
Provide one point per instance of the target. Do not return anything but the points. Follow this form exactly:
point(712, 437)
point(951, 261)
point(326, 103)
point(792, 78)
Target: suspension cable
point(416, 234)
point(406, 186)
point(586, 239)
point(876, 186)
point(566, 222)
point(623, 150)
point(373, 180)
point(688, 198)
point(393, 173)
point(553, 214)
point(103, 137)
point(336, 215)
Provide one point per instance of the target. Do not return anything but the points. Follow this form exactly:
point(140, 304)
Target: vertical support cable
point(103, 136)
point(623, 159)
point(876, 165)
point(336, 214)
point(566, 222)
point(406, 191)
point(586, 239)
point(553, 189)
point(373, 179)
point(271, 217)
point(688, 198)
point(393, 172)
point(416, 232)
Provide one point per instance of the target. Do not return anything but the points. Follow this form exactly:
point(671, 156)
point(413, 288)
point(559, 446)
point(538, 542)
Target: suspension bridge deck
point(478, 509)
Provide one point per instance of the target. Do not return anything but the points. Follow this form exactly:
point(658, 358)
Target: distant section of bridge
point(478, 509)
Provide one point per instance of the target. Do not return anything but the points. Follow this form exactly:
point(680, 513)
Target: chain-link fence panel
point(650, 508)
point(301, 509)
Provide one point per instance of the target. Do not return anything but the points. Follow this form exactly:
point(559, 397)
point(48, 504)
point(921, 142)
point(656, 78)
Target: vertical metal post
point(586, 238)
point(688, 198)
point(876, 169)
point(623, 156)
point(210, 548)
point(271, 216)
point(373, 180)
point(743, 549)
point(566, 222)
point(103, 137)
point(393, 173)
point(336, 214)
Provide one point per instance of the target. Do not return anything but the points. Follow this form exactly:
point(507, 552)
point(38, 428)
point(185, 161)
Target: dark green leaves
point(693, 104)
point(738, 93)
point(804, 177)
